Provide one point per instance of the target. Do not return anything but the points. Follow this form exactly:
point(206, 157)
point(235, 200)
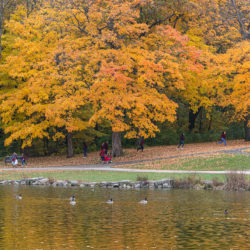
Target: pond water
point(176, 219)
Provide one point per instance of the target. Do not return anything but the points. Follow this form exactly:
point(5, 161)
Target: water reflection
point(178, 219)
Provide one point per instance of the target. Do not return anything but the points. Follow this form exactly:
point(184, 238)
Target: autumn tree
point(235, 70)
point(3, 6)
point(213, 26)
point(71, 53)
point(7, 7)
point(49, 93)
point(138, 62)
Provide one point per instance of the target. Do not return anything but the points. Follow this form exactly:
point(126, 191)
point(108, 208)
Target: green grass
point(215, 163)
point(223, 162)
point(98, 176)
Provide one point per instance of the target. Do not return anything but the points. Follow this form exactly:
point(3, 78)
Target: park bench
point(8, 159)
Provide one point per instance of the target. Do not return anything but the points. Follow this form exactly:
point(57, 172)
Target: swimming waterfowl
point(72, 200)
point(19, 197)
point(110, 201)
point(145, 201)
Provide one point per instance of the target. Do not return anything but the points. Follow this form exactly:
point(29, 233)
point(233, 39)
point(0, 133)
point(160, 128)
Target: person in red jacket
point(102, 154)
point(14, 160)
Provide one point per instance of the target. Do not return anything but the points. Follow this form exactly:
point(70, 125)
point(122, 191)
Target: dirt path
point(131, 155)
point(110, 167)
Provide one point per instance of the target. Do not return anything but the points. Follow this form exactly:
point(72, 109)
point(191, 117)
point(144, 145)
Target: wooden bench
point(8, 159)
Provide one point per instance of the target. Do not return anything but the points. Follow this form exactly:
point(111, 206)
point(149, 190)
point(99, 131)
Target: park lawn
point(216, 162)
point(99, 176)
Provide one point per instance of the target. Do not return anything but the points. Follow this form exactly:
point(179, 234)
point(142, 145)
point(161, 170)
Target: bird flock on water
point(110, 201)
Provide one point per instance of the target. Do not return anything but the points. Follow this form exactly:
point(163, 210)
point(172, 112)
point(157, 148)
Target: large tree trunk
point(201, 116)
point(116, 144)
point(210, 123)
point(46, 146)
point(247, 129)
point(192, 118)
point(70, 145)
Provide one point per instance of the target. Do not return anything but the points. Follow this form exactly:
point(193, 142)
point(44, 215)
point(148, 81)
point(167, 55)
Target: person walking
point(14, 160)
point(223, 138)
point(106, 147)
point(140, 143)
point(102, 146)
point(85, 150)
point(23, 159)
point(182, 138)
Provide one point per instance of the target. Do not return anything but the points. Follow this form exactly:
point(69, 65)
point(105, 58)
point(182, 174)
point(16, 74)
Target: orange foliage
point(70, 54)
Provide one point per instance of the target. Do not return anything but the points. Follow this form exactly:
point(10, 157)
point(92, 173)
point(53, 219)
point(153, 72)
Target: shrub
point(235, 182)
point(187, 182)
point(142, 178)
point(217, 182)
point(51, 180)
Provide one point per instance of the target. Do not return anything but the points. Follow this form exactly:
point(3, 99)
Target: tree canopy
point(128, 63)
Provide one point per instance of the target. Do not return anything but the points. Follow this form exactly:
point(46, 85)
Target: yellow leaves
point(225, 82)
point(57, 136)
point(99, 55)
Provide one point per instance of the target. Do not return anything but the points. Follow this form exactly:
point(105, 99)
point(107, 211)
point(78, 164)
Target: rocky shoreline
point(125, 184)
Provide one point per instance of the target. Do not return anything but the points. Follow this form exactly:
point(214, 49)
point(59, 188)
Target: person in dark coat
point(182, 138)
point(106, 147)
point(85, 150)
point(140, 144)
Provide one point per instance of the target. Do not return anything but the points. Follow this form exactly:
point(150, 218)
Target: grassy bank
point(204, 163)
point(98, 176)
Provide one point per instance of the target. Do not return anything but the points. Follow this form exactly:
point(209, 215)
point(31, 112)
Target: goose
point(110, 201)
point(145, 201)
point(226, 212)
point(19, 197)
point(72, 200)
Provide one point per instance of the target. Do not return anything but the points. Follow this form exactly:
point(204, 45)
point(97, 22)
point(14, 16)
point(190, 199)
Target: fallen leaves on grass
point(133, 155)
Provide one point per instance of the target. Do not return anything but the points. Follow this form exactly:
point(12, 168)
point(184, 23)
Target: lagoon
point(172, 219)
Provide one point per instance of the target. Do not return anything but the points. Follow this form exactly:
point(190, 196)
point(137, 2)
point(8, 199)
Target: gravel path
point(108, 167)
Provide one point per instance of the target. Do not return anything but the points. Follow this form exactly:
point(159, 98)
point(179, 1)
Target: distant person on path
point(182, 138)
point(85, 150)
point(223, 138)
point(106, 147)
point(23, 160)
point(14, 160)
point(140, 144)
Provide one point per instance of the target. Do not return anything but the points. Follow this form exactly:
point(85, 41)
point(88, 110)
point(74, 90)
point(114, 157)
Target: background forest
point(74, 71)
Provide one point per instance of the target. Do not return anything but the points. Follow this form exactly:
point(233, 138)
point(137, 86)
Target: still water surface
point(176, 219)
